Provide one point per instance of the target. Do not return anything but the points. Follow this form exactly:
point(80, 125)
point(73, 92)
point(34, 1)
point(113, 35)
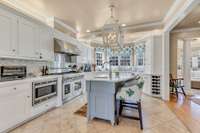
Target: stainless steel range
point(72, 86)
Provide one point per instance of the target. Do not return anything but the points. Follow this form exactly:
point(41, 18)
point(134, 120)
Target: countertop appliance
point(72, 86)
point(9, 73)
point(44, 90)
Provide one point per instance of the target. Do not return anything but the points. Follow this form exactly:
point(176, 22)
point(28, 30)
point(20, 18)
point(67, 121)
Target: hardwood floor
point(187, 111)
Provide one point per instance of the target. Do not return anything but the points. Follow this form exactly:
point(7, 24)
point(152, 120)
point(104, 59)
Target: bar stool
point(129, 96)
point(175, 84)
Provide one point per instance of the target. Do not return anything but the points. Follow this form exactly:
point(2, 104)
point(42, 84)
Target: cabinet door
point(13, 103)
point(8, 33)
point(28, 39)
point(90, 55)
point(46, 44)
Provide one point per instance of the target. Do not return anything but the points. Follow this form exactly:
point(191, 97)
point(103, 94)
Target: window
point(198, 62)
point(125, 61)
point(99, 59)
point(139, 56)
point(114, 60)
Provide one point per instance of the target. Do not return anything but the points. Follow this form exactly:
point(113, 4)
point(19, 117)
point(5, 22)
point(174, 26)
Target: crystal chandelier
point(112, 32)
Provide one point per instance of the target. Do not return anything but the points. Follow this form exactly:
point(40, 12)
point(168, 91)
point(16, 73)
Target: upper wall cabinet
point(28, 39)
point(46, 43)
point(8, 33)
point(24, 38)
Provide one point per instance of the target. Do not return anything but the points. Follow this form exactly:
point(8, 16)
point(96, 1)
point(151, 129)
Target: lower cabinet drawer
point(43, 107)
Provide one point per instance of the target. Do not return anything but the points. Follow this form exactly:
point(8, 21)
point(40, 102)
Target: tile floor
point(157, 119)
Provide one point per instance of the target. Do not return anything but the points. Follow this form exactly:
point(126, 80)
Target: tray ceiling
point(92, 14)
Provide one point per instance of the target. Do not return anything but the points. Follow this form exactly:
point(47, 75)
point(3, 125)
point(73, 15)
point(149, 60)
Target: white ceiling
point(92, 14)
point(191, 20)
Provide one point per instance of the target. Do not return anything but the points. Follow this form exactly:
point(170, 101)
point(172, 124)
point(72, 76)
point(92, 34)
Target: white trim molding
point(18, 6)
point(186, 30)
point(180, 9)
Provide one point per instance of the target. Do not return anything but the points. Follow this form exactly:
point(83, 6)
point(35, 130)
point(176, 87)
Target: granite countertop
point(105, 77)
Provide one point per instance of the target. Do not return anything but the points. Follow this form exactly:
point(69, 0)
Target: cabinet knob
point(28, 96)
point(14, 88)
point(13, 50)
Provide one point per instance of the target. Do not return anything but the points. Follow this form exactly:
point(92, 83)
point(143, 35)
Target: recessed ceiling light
point(199, 22)
point(87, 31)
point(123, 25)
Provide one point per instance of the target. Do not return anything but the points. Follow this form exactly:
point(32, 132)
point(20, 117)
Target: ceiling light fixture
point(123, 25)
point(199, 21)
point(111, 32)
point(87, 31)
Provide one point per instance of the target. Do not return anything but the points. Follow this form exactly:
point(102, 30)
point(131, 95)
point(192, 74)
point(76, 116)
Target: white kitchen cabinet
point(23, 37)
point(46, 47)
point(28, 39)
point(91, 55)
point(15, 103)
point(153, 49)
point(8, 33)
point(87, 54)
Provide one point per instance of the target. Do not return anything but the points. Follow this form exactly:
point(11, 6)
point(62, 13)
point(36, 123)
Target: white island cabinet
point(15, 104)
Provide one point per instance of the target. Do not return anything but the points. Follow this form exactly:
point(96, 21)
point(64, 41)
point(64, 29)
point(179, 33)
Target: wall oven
point(44, 90)
point(67, 89)
point(72, 87)
point(78, 87)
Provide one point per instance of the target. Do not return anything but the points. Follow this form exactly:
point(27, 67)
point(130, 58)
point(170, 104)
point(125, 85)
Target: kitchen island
point(101, 93)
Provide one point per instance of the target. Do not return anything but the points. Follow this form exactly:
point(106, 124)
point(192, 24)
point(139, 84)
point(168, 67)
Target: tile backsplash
point(32, 66)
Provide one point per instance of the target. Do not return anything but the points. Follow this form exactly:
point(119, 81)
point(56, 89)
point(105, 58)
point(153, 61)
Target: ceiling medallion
point(112, 33)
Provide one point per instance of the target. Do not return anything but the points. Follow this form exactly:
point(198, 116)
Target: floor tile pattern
point(157, 119)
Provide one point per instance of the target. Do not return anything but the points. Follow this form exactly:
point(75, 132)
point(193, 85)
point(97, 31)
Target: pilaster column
point(165, 67)
point(187, 64)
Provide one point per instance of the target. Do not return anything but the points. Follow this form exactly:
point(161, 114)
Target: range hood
point(64, 47)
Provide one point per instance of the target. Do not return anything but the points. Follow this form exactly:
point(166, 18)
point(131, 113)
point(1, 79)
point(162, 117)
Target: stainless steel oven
point(44, 90)
point(78, 87)
point(72, 86)
point(12, 72)
point(67, 89)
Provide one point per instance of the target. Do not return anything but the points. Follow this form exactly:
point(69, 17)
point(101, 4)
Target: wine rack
point(155, 85)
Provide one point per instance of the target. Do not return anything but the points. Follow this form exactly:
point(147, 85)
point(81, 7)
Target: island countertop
point(105, 77)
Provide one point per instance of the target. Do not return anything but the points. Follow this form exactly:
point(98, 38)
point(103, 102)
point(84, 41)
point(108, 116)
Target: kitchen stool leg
point(140, 115)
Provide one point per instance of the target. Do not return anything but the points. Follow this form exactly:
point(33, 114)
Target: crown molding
point(19, 7)
point(186, 30)
point(171, 10)
point(178, 12)
point(64, 25)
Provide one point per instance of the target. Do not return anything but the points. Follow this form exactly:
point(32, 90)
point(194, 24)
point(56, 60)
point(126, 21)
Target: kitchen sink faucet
point(110, 68)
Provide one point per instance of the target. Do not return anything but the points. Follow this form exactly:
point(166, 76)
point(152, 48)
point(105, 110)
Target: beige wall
point(174, 36)
point(173, 54)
